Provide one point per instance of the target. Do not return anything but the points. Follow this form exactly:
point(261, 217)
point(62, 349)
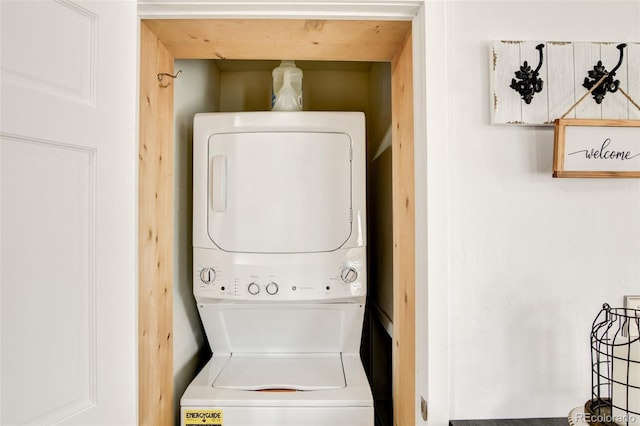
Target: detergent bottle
point(287, 87)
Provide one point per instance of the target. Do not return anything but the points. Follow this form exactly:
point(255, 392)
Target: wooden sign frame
point(588, 148)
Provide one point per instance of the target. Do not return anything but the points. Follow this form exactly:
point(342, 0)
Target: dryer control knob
point(207, 275)
point(348, 275)
point(272, 288)
point(253, 289)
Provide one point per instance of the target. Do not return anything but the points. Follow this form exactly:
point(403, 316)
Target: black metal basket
point(615, 367)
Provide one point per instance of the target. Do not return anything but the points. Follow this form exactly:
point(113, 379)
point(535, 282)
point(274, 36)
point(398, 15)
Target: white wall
point(531, 259)
point(196, 90)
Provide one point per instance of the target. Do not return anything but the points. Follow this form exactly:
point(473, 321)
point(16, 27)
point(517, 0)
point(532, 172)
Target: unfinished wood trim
point(155, 236)
point(281, 38)
point(403, 184)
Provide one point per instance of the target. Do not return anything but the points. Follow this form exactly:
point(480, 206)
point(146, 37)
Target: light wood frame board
point(164, 40)
point(590, 148)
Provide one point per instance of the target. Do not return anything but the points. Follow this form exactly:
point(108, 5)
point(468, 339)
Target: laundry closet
point(339, 47)
point(246, 85)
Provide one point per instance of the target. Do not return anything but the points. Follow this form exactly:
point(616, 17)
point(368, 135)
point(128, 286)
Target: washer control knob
point(272, 288)
point(207, 275)
point(348, 274)
point(253, 289)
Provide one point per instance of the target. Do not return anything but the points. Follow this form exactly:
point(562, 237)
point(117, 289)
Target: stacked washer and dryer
point(279, 253)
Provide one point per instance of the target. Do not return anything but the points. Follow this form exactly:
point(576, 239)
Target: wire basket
point(615, 367)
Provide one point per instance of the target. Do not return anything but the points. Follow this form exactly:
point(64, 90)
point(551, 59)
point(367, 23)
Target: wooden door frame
point(159, 46)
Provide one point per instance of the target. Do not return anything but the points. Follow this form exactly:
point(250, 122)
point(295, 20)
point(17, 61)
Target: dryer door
point(279, 192)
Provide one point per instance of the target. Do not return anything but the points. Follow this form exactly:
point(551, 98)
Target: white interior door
point(68, 212)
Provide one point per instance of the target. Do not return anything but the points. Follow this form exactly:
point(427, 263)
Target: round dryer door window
point(279, 192)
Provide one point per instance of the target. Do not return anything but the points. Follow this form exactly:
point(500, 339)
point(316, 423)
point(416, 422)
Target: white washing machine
point(279, 252)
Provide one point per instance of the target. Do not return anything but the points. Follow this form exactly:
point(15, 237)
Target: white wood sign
point(596, 148)
point(563, 70)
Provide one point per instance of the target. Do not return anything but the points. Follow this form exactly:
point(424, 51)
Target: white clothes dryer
point(279, 255)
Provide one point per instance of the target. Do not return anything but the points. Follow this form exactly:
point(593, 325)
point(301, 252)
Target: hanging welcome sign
point(596, 148)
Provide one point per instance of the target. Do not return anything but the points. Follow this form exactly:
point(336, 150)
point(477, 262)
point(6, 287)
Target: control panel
point(255, 277)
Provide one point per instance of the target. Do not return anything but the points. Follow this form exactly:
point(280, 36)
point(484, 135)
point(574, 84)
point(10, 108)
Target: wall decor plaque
point(596, 148)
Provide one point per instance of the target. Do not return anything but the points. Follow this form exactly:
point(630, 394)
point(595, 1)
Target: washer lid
point(301, 372)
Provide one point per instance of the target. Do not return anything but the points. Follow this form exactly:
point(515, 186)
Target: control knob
point(253, 289)
point(348, 274)
point(207, 275)
point(272, 288)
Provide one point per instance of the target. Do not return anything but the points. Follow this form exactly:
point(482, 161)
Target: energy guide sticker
point(202, 417)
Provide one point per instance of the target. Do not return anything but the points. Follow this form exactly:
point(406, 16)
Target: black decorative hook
point(528, 82)
point(598, 72)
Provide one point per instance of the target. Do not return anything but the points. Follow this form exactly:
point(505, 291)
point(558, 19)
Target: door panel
point(280, 192)
point(67, 213)
point(48, 291)
point(56, 30)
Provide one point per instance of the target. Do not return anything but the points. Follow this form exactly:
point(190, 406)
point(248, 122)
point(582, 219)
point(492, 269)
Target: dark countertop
point(559, 421)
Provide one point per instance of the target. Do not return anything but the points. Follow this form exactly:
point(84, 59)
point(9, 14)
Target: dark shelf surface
point(559, 421)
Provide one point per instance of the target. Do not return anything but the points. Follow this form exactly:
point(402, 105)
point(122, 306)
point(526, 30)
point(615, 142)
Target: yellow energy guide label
point(202, 417)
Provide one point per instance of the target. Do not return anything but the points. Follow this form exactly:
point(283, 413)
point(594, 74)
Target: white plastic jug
point(287, 87)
